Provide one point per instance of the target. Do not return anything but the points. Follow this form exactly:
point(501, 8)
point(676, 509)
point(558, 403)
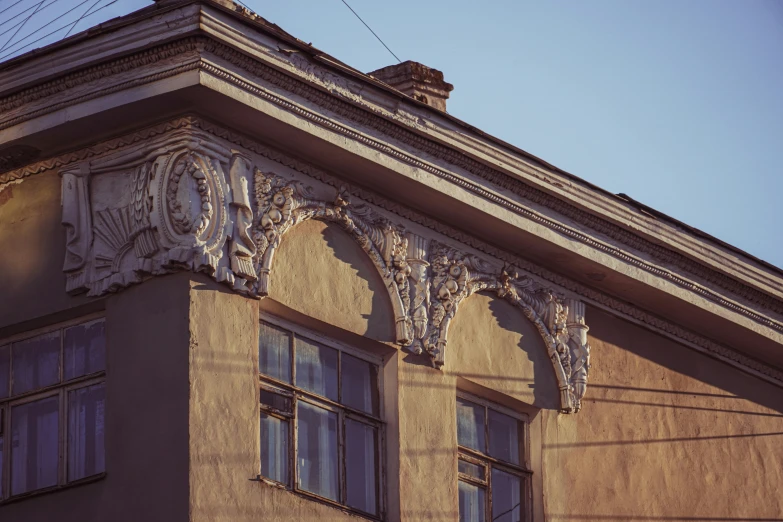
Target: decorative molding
point(618, 307)
point(453, 276)
point(77, 218)
point(281, 204)
point(181, 215)
point(190, 208)
point(345, 104)
point(559, 321)
point(96, 150)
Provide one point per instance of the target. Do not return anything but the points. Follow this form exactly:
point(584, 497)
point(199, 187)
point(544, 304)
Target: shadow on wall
point(669, 383)
point(544, 385)
point(493, 345)
point(380, 320)
point(32, 282)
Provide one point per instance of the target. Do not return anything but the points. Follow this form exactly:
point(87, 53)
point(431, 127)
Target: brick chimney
point(417, 81)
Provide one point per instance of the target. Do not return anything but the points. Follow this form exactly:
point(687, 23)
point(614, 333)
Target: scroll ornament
point(191, 206)
point(183, 212)
point(282, 204)
point(426, 281)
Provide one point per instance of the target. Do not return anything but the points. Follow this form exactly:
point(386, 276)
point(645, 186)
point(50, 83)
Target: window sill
point(53, 489)
point(310, 496)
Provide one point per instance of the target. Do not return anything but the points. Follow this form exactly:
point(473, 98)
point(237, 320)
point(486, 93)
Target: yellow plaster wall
point(665, 434)
point(320, 271)
point(32, 283)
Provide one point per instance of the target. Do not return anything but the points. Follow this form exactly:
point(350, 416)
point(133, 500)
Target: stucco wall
point(146, 416)
point(32, 283)
point(321, 272)
point(665, 434)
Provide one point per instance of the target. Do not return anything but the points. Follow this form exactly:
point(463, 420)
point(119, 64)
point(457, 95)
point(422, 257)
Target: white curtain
point(34, 443)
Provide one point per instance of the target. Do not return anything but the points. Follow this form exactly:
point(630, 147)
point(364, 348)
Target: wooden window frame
point(295, 394)
point(488, 463)
point(61, 389)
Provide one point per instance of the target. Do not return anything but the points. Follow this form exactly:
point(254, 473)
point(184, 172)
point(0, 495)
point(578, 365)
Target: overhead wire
point(373, 32)
point(56, 30)
point(50, 22)
point(21, 13)
point(12, 5)
point(80, 18)
point(22, 25)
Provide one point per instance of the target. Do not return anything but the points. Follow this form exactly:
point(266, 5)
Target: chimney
point(417, 81)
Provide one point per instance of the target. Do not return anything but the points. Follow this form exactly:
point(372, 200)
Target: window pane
point(274, 448)
point(36, 362)
point(85, 349)
point(470, 425)
point(34, 445)
point(471, 469)
point(317, 450)
point(506, 497)
point(316, 368)
point(361, 465)
point(359, 384)
point(276, 401)
point(471, 503)
point(5, 370)
point(86, 421)
point(503, 437)
point(274, 352)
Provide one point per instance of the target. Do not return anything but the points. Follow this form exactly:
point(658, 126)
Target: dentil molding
point(187, 202)
point(628, 311)
point(343, 98)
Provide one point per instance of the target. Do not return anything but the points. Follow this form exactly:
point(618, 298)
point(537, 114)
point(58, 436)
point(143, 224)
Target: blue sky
point(678, 104)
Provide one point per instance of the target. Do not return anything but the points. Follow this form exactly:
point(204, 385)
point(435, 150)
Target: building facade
point(241, 280)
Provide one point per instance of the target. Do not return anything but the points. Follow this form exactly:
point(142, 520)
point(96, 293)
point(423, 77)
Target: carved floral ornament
point(193, 205)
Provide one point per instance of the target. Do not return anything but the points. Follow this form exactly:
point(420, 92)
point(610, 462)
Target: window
point(52, 407)
point(494, 479)
point(320, 424)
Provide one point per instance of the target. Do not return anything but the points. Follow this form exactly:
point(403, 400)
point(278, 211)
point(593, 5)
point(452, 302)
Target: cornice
point(618, 307)
point(594, 297)
point(394, 129)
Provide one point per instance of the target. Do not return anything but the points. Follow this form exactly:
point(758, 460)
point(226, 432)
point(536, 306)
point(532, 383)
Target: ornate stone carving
point(76, 218)
point(370, 113)
point(98, 279)
point(559, 321)
point(176, 212)
point(282, 204)
point(242, 247)
point(418, 254)
point(579, 350)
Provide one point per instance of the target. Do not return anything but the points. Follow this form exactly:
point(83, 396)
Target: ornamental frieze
point(189, 203)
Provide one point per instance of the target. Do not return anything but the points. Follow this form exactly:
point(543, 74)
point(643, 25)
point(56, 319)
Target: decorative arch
point(426, 281)
point(196, 205)
point(559, 321)
point(283, 204)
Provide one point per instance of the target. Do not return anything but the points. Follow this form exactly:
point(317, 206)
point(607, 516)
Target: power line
point(21, 13)
point(55, 31)
point(373, 32)
point(245, 6)
point(20, 26)
point(50, 22)
point(14, 5)
point(80, 18)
